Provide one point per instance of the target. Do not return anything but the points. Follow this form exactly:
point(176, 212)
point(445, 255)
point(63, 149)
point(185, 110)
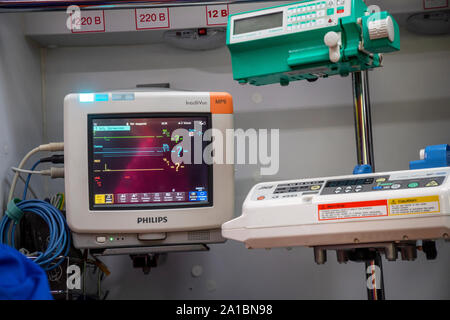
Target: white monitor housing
point(122, 187)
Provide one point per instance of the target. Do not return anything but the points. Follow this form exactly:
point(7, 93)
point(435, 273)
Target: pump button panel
point(383, 183)
point(351, 185)
point(298, 17)
point(313, 15)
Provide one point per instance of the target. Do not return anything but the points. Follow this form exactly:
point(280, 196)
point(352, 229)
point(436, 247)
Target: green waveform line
point(125, 137)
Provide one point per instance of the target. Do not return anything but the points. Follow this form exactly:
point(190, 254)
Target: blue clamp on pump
point(362, 169)
point(432, 157)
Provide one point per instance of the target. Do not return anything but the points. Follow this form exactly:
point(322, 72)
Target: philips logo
point(196, 102)
point(152, 220)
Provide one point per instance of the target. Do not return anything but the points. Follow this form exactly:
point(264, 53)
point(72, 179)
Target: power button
point(101, 239)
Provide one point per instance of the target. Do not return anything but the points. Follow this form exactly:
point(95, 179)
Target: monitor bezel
point(91, 117)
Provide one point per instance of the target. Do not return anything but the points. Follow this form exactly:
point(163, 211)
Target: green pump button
point(413, 185)
point(330, 12)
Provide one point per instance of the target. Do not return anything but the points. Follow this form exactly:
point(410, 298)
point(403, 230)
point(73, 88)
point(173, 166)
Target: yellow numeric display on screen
point(104, 198)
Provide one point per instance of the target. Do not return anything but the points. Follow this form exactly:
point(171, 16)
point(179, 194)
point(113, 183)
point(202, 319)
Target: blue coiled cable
point(27, 182)
point(59, 233)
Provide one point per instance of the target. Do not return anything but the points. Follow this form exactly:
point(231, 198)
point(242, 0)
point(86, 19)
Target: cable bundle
point(58, 200)
point(59, 234)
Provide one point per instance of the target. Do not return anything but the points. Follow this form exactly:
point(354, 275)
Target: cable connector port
point(52, 146)
point(54, 172)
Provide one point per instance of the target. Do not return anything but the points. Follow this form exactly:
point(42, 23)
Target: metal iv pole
point(363, 120)
point(364, 152)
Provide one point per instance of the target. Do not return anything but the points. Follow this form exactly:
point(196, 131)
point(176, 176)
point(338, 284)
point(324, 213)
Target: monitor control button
point(101, 239)
point(152, 236)
point(432, 184)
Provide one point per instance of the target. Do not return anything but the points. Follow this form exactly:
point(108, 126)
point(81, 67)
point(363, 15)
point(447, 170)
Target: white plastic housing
point(382, 28)
point(293, 219)
point(83, 220)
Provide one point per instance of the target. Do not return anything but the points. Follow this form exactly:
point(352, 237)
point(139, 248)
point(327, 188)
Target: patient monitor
point(123, 188)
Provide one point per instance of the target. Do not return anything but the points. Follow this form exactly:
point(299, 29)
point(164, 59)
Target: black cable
point(56, 158)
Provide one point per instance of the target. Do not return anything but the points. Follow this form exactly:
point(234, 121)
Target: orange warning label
point(352, 210)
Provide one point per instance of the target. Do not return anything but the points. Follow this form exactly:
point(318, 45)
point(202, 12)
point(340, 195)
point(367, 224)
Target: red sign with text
point(217, 15)
point(353, 210)
point(88, 21)
point(155, 18)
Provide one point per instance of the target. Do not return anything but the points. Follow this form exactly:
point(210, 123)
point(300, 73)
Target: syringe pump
point(353, 209)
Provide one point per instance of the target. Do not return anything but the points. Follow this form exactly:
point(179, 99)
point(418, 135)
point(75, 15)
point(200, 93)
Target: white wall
point(20, 99)
point(411, 99)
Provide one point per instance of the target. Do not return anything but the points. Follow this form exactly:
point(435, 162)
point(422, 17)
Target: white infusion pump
point(123, 188)
point(367, 208)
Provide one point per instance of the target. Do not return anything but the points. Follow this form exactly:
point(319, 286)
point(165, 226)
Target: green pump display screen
point(267, 21)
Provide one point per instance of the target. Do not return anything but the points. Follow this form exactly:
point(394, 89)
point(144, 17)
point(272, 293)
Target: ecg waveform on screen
point(132, 152)
point(106, 169)
point(137, 152)
point(170, 165)
point(165, 133)
point(151, 147)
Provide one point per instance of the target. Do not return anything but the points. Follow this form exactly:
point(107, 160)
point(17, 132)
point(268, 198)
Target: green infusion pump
point(309, 40)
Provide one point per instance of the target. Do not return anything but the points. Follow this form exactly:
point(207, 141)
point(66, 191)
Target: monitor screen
point(261, 22)
point(130, 164)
